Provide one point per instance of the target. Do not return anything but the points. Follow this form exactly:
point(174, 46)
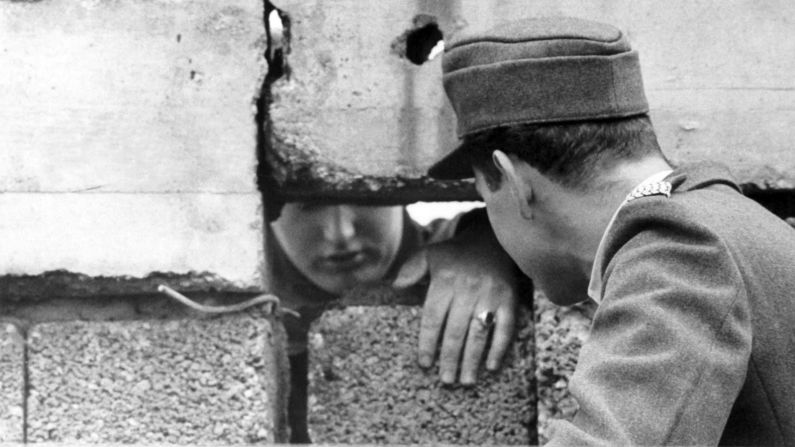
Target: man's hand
point(470, 276)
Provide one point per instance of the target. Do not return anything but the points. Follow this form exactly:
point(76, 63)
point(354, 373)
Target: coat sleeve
point(669, 345)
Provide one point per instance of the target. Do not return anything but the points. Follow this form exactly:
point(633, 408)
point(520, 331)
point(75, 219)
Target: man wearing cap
point(693, 341)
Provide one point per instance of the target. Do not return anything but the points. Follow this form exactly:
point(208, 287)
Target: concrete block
point(130, 95)
point(355, 117)
point(366, 386)
point(12, 383)
point(128, 145)
point(751, 131)
point(342, 70)
point(181, 381)
point(217, 236)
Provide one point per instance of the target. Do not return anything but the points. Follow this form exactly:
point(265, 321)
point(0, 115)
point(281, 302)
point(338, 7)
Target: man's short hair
point(571, 154)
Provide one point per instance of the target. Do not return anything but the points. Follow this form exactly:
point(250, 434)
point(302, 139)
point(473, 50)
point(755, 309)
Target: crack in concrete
point(25, 387)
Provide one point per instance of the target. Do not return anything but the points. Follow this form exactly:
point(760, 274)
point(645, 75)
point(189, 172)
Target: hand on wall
point(471, 300)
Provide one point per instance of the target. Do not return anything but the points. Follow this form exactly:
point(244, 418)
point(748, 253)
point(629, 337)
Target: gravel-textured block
point(213, 381)
point(366, 386)
point(12, 383)
point(560, 333)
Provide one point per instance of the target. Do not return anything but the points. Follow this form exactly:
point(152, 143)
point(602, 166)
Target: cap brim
point(453, 166)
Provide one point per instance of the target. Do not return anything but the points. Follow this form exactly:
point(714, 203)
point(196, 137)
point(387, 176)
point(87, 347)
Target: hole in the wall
point(423, 42)
point(277, 29)
point(426, 212)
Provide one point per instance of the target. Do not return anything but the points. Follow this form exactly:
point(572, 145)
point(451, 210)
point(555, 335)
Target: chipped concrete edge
point(298, 174)
point(66, 284)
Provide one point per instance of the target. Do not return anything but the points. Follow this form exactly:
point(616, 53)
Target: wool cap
point(540, 70)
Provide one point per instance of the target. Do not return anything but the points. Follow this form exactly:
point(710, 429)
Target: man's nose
point(340, 225)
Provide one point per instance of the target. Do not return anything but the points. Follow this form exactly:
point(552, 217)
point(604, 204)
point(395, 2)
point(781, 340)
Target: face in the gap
point(339, 246)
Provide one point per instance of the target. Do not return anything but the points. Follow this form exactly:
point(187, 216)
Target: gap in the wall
point(425, 212)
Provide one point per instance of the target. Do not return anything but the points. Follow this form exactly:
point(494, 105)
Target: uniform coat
point(693, 342)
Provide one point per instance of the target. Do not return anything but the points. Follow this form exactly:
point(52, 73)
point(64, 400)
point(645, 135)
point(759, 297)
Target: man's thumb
point(412, 271)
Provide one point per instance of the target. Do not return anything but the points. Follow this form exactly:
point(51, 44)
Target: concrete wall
point(128, 150)
point(184, 382)
point(128, 158)
point(128, 143)
point(366, 386)
point(12, 383)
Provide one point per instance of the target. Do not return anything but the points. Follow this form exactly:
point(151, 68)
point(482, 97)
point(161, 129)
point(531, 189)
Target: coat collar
point(685, 178)
point(701, 175)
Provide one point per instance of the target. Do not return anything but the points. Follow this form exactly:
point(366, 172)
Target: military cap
point(539, 70)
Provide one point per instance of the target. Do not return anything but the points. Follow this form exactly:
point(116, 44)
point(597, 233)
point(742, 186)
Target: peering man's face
point(502, 214)
point(339, 246)
point(531, 243)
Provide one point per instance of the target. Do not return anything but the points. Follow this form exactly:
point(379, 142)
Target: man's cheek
point(502, 233)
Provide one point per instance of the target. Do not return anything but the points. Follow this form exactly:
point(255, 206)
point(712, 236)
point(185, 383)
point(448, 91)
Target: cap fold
point(546, 90)
point(541, 70)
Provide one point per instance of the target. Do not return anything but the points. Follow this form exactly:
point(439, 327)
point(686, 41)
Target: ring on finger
point(486, 318)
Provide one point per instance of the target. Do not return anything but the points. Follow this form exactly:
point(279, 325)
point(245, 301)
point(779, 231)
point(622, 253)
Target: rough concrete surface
point(62, 284)
point(133, 235)
point(181, 381)
point(12, 383)
point(366, 386)
point(130, 96)
point(129, 138)
point(559, 335)
point(355, 117)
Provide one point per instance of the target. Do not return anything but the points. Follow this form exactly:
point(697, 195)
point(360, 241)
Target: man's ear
point(521, 189)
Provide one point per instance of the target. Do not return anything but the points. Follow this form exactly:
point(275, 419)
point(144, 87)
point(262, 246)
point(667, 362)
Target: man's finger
point(434, 311)
point(453, 342)
point(412, 270)
point(503, 335)
point(477, 336)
